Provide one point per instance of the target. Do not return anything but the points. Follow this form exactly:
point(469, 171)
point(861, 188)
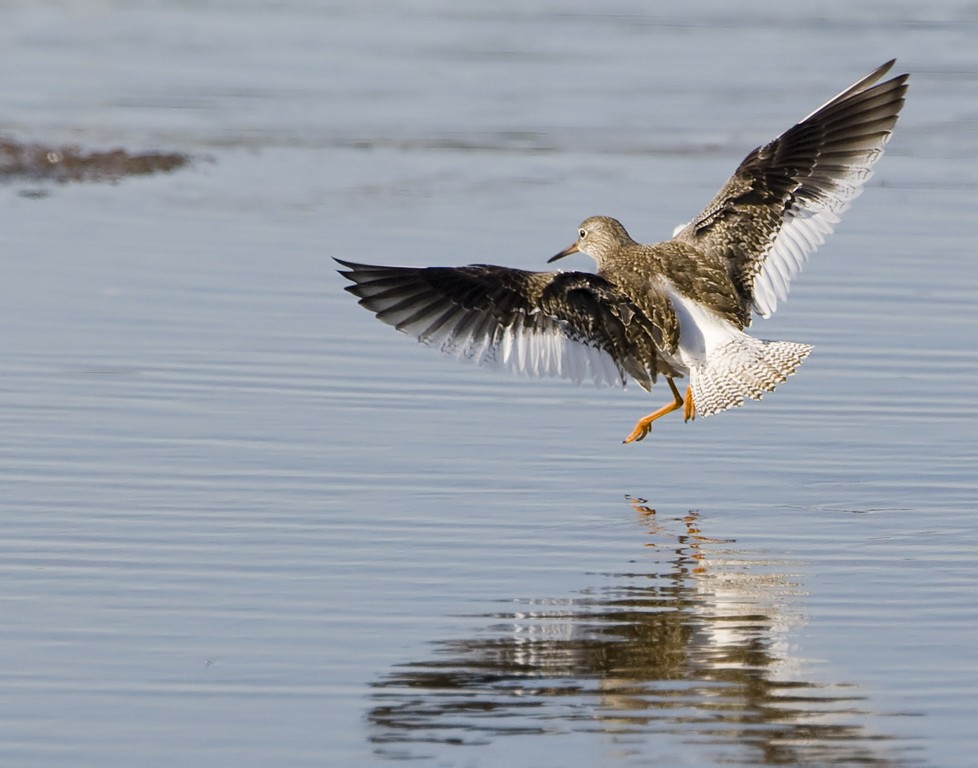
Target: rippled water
point(243, 523)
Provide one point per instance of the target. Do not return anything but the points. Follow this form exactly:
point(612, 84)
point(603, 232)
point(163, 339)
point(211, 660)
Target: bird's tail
point(743, 367)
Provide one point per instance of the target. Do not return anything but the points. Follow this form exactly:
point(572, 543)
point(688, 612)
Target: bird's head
point(600, 237)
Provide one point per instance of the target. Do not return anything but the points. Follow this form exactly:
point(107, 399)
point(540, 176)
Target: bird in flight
point(678, 308)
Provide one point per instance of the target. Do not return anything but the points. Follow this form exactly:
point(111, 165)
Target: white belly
point(701, 331)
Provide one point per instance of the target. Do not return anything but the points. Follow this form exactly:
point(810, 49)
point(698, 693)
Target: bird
point(679, 308)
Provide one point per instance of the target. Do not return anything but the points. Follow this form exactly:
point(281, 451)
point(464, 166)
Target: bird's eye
point(582, 233)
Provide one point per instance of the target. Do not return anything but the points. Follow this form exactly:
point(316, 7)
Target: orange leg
point(644, 425)
point(689, 407)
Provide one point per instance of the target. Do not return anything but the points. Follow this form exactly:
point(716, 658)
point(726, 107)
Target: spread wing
point(575, 325)
point(787, 196)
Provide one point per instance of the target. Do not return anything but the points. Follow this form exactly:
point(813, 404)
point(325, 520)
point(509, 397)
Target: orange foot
point(644, 425)
point(642, 428)
point(689, 407)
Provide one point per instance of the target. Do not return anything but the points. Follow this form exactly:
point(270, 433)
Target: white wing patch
point(806, 225)
point(526, 346)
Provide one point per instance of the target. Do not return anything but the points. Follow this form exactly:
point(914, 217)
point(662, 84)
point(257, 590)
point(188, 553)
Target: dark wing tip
point(354, 268)
point(350, 264)
point(881, 70)
point(867, 83)
point(871, 78)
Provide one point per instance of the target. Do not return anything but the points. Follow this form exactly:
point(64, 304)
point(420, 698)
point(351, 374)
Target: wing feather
point(575, 325)
point(786, 197)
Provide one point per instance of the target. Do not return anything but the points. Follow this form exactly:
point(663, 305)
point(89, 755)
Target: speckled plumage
point(679, 307)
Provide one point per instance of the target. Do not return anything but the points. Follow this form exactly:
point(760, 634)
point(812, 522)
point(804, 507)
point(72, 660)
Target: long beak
point(566, 252)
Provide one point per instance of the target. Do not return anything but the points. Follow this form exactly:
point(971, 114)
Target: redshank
point(677, 308)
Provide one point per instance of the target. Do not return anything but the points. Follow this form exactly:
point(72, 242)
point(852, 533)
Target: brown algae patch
point(39, 162)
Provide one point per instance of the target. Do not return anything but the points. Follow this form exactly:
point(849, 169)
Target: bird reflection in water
point(691, 647)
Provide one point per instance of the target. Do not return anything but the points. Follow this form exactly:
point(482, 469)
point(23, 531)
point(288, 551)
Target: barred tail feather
point(743, 367)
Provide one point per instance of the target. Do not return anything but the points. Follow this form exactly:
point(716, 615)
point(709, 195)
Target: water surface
point(243, 523)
